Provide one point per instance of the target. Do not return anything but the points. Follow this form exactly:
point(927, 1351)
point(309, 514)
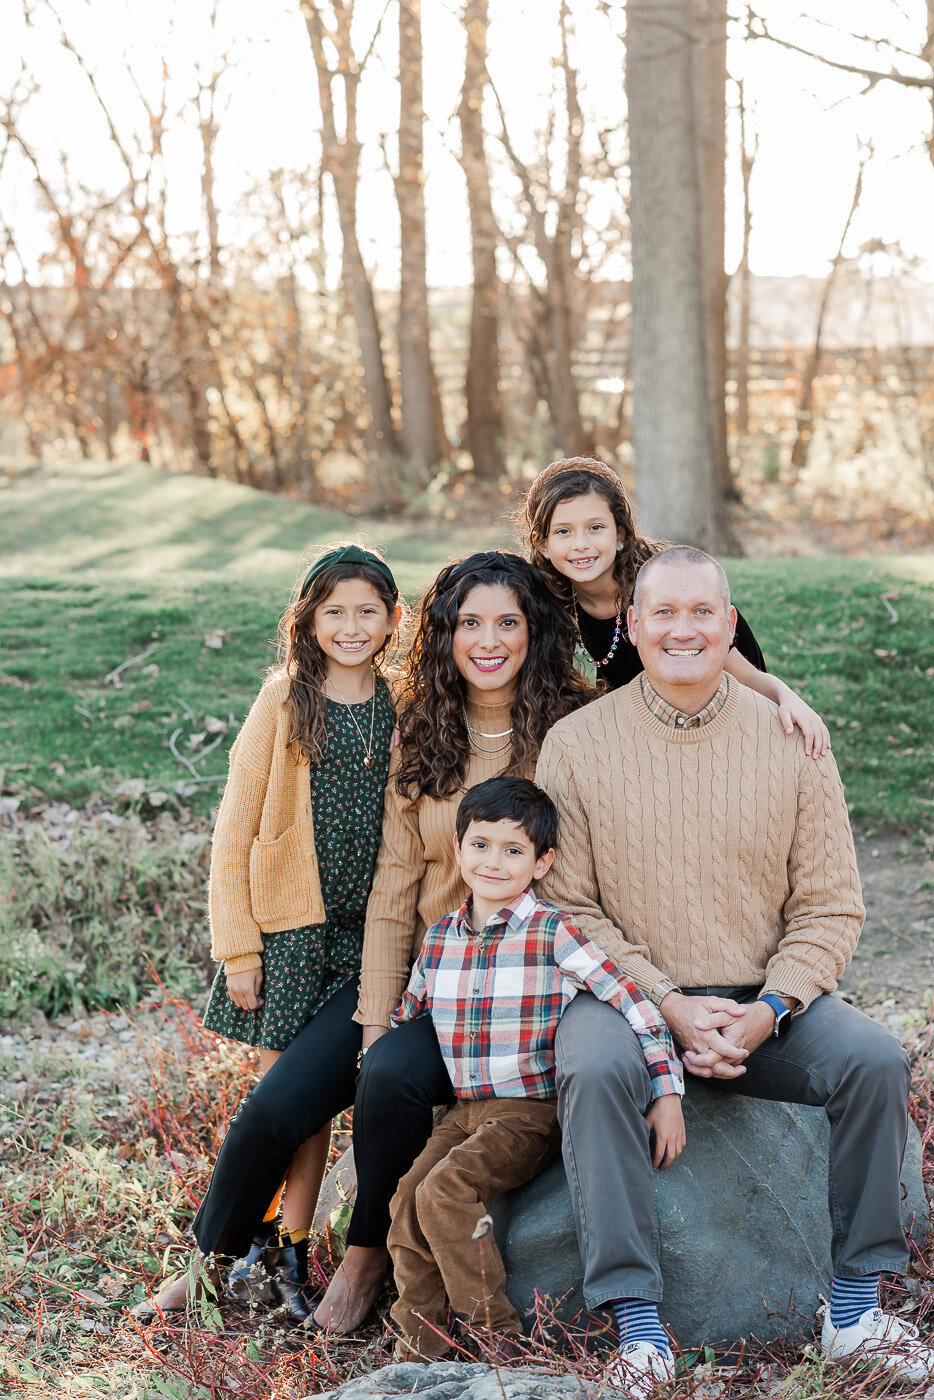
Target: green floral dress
point(303, 967)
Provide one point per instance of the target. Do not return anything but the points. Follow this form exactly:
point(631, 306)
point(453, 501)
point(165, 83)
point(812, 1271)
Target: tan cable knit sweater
point(720, 856)
point(416, 879)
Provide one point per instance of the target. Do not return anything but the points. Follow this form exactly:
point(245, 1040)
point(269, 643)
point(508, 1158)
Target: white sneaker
point(879, 1337)
point(640, 1368)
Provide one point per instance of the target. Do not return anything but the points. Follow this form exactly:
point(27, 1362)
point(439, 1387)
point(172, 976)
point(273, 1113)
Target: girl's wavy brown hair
point(565, 480)
point(300, 656)
point(433, 723)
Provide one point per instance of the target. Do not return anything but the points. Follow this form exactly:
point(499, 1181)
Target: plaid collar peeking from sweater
point(677, 719)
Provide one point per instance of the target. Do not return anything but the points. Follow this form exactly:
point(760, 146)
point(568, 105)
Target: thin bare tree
point(485, 429)
point(329, 28)
point(424, 441)
point(804, 413)
point(748, 150)
point(554, 211)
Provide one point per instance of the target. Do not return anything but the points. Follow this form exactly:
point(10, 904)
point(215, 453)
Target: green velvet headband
point(350, 554)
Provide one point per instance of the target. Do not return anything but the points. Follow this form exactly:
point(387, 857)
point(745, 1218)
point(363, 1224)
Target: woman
point(578, 527)
point(489, 673)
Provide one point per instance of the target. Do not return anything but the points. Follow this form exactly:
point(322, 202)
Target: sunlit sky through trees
point(809, 118)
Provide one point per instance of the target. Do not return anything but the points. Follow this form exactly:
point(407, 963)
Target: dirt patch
point(895, 957)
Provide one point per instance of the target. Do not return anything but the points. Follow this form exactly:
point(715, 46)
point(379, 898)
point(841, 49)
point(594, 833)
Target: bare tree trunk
point(804, 415)
point(556, 333)
point(560, 264)
point(423, 437)
point(208, 129)
point(341, 159)
point(747, 160)
point(678, 492)
point(485, 431)
point(709, 65)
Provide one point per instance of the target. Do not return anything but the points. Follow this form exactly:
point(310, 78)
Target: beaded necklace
point(617, 633)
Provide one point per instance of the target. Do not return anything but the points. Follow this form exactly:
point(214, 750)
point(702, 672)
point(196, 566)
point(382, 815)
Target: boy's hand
point(244, 989)
point(371, 1034)
point(667, 1123)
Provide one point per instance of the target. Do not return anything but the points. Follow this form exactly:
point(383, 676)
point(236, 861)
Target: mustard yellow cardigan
point(264, 871)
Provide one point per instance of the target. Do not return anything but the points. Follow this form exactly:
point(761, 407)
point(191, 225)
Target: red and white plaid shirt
point(496, 997)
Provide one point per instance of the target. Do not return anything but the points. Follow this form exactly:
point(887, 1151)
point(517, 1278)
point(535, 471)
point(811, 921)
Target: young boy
point(495, 977)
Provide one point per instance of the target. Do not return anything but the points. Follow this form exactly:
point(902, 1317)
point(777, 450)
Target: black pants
point(402, 1078)
point(311, 1082)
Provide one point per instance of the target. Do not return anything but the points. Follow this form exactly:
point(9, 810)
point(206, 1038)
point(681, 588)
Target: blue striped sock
point(638, 1321)
point(851, 1297)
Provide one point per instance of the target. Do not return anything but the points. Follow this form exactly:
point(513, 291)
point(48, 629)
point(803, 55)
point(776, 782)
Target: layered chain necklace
point(617, 633)
point(482, 734)
point(369, 756)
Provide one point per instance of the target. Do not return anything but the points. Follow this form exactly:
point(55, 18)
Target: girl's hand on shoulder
point(666, 1120)
point(244, 989)
point(792, 711)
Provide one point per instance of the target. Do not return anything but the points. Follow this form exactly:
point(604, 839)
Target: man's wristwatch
point(782, 1013)
point(662, 987)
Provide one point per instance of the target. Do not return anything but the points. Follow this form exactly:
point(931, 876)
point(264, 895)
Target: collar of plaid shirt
point(673, 718)
point(512, 915)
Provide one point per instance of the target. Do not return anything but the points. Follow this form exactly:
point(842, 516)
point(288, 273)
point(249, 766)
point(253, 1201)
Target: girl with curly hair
point(490, 670)
point(292, 861)
point(578, 527)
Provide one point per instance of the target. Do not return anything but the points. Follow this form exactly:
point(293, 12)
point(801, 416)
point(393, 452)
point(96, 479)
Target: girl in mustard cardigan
point(295, 843)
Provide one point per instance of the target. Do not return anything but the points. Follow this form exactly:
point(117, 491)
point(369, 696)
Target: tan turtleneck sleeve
point(718, 856)
point(417, 880)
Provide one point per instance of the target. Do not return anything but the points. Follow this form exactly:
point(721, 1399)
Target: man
point(713, 861)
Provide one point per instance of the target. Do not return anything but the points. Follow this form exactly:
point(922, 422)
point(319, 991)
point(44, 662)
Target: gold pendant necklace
point(369, 757)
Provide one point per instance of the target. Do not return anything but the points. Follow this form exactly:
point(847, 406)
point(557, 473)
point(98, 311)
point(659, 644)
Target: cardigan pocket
point(280, 895)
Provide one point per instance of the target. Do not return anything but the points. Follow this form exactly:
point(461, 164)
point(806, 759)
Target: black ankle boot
point(287, 1267)
point(248, 1281)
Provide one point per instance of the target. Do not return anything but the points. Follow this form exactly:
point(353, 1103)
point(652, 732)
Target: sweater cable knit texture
point(718, 856)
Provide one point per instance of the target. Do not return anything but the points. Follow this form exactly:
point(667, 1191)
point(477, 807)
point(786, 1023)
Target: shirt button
point(680, 719)
point(472, 1075)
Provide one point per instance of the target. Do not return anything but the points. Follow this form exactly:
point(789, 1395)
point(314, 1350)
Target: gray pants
point(832, 1056)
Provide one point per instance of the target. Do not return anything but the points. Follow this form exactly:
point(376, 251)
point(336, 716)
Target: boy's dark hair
point(515, 800)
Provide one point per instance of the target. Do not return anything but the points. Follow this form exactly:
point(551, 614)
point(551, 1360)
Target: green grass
point(104, 563)
point(826, 630)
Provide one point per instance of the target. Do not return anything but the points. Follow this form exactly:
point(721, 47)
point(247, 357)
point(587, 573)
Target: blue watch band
point(782, 1012)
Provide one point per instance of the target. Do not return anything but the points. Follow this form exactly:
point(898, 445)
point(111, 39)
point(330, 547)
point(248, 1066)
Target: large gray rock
point(743, 1220)
point(457, 1380)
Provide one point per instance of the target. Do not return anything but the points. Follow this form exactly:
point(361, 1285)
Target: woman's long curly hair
point(300, 656)
point(565, 481)
point(433, 721)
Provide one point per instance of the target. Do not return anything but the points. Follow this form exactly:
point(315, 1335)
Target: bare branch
point(760, 30)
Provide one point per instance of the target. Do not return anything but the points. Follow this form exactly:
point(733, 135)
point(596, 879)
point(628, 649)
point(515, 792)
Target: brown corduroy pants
point(481, 1148)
